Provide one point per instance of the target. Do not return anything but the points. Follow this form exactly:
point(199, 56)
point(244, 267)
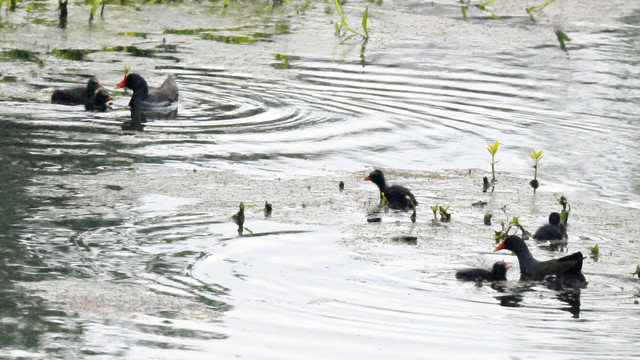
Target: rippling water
point(119, 244)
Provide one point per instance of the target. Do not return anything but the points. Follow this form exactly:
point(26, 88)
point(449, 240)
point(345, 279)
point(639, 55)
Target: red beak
point(111, 98)
point(121, 83)
point(501, 246)
point(367, 178)
point(100, 85)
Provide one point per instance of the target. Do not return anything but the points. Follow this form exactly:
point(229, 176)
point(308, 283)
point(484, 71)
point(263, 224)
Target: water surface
point(119, 244)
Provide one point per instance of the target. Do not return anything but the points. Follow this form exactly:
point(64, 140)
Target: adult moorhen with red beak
point(551, 231)
point(396, 195)
point(497, 273)
point(149, 99)
point(565, 271)
point(77, 95)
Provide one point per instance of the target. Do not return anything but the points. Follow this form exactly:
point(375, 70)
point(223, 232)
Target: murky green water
point(120, 244)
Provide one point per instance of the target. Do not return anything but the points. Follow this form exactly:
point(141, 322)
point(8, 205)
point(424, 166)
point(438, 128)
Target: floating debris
point(341, 186)
point(480, 204)
point(413, 240)
point(267, 209)
point(486, 184)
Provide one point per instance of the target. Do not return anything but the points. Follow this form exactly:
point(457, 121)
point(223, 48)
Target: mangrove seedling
point(516, 223)
point(94, 7)
point(435, 212)
point(531, 9)
point(562, 37)
point(493, 149)
point(595, 252)
point(487, 218)
point(566, 209)
point(445, 216)
point(536, 156)
point(342, 28)
point(499, 235)
point(413, 216)
point(238, 218)
point(62, 20)
point(483, 8)
point(465, 6)
point(383, 199)
point(637, 272)
point(267, 209)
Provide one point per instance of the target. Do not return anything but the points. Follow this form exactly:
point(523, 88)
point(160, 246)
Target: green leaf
point(364, 22)
point(464, 12)
point(493, 149)
point(339, 10)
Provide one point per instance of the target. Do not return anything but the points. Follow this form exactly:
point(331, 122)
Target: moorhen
point(143, 98)
point(98, 101)
point(552, 230)
point(565, 271)
point(396, 195)
point(77, 95)
point(497, 273)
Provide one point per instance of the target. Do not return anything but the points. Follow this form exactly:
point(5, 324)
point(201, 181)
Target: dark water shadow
point(139, 117)
point(514, 296)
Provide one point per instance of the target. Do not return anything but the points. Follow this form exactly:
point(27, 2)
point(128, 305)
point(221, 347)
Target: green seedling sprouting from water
point(566, 209)
point(238, 218)
point(13, 5)
point(413, 216)
point(435, 212)
point(342, 28)
point(465, 6)
point(483, 8)
point(536, 156)
point(515, 223)
point(493, 149)
point(445, 216)
point(487, 218)
point(467, 3)
point(562, 38)
point(383, 199)
point(595, 252)
point(499, 235)
point(94, 7)
point(531, 9)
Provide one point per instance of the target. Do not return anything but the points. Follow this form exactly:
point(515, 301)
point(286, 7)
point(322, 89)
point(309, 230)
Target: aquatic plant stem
point(493, 149)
